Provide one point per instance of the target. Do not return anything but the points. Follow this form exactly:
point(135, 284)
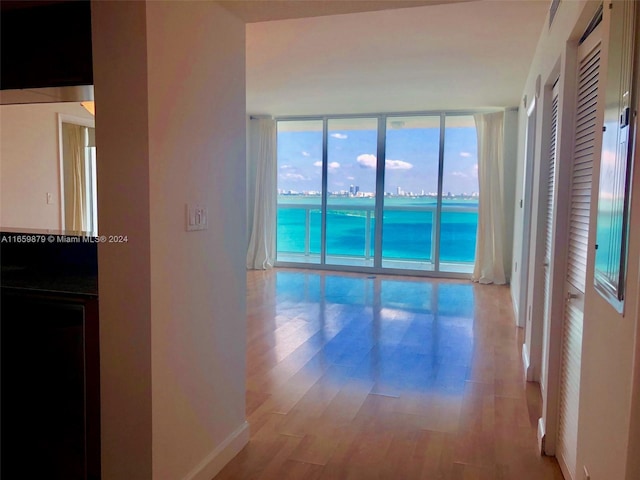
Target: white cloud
point(284, 167)
point(459, 174)
point(474, 172)
point(292, 176)
point(368, 160)
point(306, 154)
point(331, 165)
point(398, 165)
point(351, 178)
point(340, 136)
point(465, 154)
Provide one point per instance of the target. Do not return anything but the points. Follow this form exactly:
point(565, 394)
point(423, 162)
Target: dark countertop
point(66, 281)
point(55, 266)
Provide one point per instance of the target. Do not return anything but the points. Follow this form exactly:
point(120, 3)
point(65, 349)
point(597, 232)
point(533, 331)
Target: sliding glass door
point(417, 173)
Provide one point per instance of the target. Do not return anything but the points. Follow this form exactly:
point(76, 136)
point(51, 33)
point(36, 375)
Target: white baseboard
point(211, 465)
point(525, 360)
point(516, 313)
point(566, 473)
point(541, 436)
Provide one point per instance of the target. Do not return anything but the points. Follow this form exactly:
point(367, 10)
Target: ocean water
point(408, 230)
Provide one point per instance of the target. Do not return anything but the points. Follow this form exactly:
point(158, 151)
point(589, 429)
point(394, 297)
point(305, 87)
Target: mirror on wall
point(616, 162)
point(78, 198)
point(48, 161)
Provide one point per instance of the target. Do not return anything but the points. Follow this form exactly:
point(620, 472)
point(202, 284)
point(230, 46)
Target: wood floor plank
point(350, 377)
point(293, 470)
point(314, 449)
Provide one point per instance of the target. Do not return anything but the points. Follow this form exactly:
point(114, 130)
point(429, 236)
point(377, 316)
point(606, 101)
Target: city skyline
point(361, 194)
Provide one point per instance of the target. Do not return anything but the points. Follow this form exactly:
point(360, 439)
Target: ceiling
point(252, 11)
point(442, 55)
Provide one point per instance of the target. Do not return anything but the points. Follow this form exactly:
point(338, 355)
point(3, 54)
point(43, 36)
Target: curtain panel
point(75, 185)
point(489, 264)
point(262, 189)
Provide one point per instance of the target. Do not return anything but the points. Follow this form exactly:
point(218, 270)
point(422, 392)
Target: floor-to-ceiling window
point(459, 216)
point(412, 163)
point(337, 176)
point(351, 191)
point(300, 174)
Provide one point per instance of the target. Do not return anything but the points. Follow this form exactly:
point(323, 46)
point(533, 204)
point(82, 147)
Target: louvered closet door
point(550, 202)
point(585, 132)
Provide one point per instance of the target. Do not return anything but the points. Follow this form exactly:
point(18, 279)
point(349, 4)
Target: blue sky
point(411, 160)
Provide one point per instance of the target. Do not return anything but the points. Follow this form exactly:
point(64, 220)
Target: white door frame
point(552, 351)
point(74, 120)
point(538, 234)
point(527, 193)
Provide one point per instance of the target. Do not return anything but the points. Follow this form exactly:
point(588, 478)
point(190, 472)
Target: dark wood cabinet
point(45, 44)
point(50, 385)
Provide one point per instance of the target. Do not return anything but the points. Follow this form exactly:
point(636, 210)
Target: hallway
point(359, 377)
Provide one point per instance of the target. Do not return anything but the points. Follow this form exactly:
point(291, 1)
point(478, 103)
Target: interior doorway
point(78, 182)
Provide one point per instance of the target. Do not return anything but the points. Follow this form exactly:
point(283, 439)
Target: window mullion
point(381, 155)
point(323, 212)
point(436, 247)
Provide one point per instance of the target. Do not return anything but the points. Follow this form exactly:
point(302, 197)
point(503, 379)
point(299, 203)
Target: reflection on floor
point(357, 377)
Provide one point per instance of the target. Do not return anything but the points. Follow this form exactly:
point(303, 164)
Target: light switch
point(49, 198)
point(196, 218)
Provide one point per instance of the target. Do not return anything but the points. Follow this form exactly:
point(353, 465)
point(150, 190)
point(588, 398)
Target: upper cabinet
point(45, 44)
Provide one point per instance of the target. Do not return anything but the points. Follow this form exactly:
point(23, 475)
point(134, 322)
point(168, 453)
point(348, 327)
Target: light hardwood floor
point(354, 377)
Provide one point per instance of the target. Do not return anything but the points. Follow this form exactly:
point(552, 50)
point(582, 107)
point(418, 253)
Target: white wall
point(633, 459)
point(605, 429)
point(197, 155)
point(550, 60)
point(608, 348)
point(30, 164)
point(124, 280)
point(550, 50)
point(170, 124)
point(509, 184)
point(516, 243)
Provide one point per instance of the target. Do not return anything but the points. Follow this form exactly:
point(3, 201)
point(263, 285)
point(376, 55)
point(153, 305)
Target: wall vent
point(595, 21)
point(552, 10)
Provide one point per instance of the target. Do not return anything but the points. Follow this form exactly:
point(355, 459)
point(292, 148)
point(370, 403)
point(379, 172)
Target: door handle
point(571, 296)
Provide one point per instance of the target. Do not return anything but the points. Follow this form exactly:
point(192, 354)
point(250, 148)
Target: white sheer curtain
point(262, 190)
point(489, 266)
